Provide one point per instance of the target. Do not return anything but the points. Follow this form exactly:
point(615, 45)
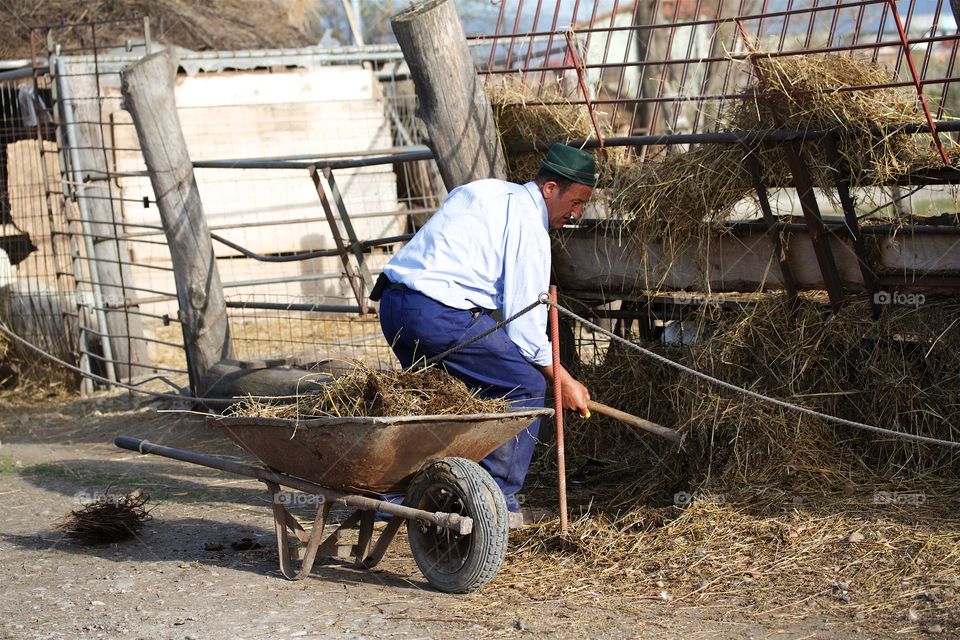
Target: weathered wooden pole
point(110, 261)
point(463, 134)
point(147, 88)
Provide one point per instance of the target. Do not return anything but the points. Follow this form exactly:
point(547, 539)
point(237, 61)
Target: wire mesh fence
point(100, 274)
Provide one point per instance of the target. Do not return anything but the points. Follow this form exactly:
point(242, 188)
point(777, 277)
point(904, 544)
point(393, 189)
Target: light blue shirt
point(487, 246)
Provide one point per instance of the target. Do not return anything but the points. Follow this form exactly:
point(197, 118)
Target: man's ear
point(549, 189)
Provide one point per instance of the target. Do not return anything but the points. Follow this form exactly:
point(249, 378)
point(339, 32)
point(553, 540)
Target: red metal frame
point(689, 44)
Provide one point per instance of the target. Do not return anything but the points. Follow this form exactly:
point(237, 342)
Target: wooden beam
point(147, 88)
point(111, 257)
point(453, 105)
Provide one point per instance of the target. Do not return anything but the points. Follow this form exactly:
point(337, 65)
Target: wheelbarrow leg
point(383, 542)
point(365, 537)
point(282, 519)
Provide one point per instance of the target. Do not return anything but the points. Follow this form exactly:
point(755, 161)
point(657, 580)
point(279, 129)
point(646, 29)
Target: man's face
point(564, 205)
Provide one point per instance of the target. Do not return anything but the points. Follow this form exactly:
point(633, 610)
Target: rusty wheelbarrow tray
point(457, 516)
point(370, 455)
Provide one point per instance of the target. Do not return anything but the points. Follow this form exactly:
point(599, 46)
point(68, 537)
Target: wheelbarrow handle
point(635, 421)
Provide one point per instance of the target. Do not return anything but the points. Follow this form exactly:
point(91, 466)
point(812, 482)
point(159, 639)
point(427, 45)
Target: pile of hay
point(778, 511)
point(879, 557)
point(199, 26)
point(681, 195)
point(901, 372)
point(107, 520)
point(522, 118)
point(367, 392)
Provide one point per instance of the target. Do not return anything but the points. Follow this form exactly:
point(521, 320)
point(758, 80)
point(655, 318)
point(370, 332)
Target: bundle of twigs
point(107, 520)
point(368, 392)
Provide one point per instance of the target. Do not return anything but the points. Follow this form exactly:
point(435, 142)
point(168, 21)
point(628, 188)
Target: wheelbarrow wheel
point(451, 562)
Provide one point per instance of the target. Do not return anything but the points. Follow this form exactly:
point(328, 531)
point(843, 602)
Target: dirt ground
point(206, 565)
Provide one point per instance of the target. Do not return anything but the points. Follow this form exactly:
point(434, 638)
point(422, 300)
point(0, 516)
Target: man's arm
point(573, 394)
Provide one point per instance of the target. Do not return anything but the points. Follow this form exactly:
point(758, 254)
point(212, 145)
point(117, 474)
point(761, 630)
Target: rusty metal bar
point(773, 228)
point(455, 522)
point(916, 81)
point(355, 245)
point(706, 21)
point(803, 183)
point(572, 49)
point(355, 282)
point(841, 183)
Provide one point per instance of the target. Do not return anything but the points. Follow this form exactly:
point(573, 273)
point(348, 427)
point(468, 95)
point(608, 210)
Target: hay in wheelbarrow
point(367, 392)
point(680, 196)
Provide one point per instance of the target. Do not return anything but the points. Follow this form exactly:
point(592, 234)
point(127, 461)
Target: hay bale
point(367, 392)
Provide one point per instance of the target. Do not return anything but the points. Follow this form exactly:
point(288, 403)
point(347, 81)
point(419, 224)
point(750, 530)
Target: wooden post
point(147, 88)
point(110, 258)
point(453, 105)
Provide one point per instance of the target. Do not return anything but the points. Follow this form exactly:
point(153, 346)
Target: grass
point(7, 466)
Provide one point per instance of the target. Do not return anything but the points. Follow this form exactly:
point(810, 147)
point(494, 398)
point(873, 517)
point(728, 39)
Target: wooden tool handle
point(640, 423)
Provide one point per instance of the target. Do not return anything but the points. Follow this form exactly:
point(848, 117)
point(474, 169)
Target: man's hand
point(573, 394)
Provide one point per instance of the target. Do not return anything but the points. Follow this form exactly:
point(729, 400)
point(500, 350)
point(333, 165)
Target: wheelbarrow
point(456, 515)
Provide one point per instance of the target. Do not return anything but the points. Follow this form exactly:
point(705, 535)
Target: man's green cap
point(570, 162)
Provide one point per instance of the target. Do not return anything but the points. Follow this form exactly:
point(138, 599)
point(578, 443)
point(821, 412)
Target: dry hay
point(901, 372)
point(25, 377)
point(215, 24)
point(522, 118)
point(367, 392)
point(876, 557)
point(683, 194)
point(778, 511)
point(110, 519)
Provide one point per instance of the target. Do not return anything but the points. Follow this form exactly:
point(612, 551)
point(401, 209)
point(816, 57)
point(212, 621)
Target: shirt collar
point(534, 190)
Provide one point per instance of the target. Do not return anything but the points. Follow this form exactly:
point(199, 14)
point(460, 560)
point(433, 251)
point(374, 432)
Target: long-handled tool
point(634, 421)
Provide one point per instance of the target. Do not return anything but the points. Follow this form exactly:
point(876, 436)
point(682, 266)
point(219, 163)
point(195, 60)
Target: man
point(488, 248)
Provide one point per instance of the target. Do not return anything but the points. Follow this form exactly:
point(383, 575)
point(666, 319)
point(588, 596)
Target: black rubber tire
point(450, 562)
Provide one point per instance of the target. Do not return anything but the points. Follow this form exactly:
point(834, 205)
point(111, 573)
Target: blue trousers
point(418, 327)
